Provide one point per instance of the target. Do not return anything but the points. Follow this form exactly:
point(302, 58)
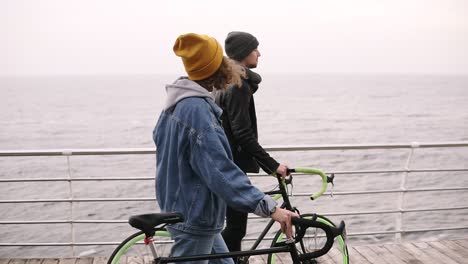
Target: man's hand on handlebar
point(283, 170)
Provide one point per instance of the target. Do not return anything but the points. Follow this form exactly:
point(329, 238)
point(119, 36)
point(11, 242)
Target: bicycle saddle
point(147, 222)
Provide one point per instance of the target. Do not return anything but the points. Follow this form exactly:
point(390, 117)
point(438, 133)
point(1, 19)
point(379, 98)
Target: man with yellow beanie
point(195, 173)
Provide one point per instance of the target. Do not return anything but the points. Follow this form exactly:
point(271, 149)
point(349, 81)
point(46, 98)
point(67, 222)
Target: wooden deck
point(446, 252)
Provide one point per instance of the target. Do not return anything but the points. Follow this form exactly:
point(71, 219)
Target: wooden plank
point(334, 256)
point(386, 255)
point(443, 249)
point(356, 257)
point(148, 259)
point(416, 252)
point(446, 252)
point(369, 254)
point(463, 243)
point(86, 260)
point(134, 260)
point(100, 260)
point(51, 261)
point(325, 259)
point(17, 261)
point(255, 260)
point(34, 261)
point(438, 256)
point(66, 261)
point(456, 247)
point(402, 254)
point(262, 258)
point(283, 258)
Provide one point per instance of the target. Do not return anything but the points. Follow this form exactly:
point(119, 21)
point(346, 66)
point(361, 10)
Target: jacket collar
point(253, 79)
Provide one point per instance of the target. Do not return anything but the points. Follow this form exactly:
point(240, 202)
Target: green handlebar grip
point(315, 171)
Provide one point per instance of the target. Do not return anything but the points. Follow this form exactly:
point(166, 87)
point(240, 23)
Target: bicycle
point(314, 235)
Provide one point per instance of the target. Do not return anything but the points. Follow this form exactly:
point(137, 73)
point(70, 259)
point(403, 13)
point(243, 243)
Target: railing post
point(70, 188)
point(401, 196)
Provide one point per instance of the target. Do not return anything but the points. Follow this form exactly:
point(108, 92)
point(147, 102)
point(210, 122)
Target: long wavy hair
point(229, 73)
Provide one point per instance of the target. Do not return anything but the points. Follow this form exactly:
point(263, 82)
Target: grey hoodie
point(183, 88)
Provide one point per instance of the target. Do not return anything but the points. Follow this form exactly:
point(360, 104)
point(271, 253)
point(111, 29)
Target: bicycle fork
point(293, 251)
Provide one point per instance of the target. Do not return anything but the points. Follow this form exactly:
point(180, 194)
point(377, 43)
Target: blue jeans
point(187, 244)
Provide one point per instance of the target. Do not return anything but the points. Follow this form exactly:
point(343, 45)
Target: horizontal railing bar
point(250, 175)
point(407, 231)
point(59, 244)
point(295, 194)
point(246, 239)
point(385, 211)
point(388, 191)
point(250, 216)
point(46, 222)
point(71, 244)
point(67, 200)
point(369, 146)
point(384, 191)
point(77, 152)
point(397, 211)
point(130, 151)
point(77, 179)
point(396, 171)
point(435, 229)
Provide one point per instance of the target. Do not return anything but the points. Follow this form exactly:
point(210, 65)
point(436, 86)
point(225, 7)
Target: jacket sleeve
point(237, 104)
point(209, 158)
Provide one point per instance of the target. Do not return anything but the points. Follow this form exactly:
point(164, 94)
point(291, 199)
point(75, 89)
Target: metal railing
point(401, 191)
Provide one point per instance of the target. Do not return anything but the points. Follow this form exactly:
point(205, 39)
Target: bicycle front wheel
point(314, 239)
point(134, 250)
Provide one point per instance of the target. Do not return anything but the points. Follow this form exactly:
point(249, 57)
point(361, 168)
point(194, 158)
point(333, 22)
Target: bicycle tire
point(313, 239)
point(134, 250)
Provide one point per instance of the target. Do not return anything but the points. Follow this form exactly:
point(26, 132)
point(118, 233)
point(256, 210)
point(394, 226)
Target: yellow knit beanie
point(202, 55)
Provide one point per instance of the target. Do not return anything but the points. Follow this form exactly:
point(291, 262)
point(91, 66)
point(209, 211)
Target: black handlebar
point(301, 225)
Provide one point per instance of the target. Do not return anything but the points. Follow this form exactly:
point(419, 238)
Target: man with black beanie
point(240, 124)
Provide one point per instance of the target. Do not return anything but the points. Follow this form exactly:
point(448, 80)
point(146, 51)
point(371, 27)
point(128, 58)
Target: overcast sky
point(317, 36)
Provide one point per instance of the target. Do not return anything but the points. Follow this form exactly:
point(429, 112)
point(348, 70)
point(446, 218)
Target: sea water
point(82, 112)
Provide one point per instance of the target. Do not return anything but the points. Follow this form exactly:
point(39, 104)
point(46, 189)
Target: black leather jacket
point(240, 124)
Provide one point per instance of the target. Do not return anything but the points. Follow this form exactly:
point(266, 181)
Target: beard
point(252, 65)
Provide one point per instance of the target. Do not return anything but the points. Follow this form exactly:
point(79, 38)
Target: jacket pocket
point(203, 208)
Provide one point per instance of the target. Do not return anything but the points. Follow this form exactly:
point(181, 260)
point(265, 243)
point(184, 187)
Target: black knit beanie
point(239, 45)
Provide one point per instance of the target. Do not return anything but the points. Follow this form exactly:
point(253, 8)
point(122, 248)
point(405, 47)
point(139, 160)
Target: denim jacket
point(195, 173)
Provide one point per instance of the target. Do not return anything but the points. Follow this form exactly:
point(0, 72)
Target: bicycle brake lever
point(291, 190)
point(288, 179)
point(330, 180)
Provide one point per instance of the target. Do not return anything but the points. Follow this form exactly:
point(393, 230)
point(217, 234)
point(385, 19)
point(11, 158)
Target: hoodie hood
point(183, 88)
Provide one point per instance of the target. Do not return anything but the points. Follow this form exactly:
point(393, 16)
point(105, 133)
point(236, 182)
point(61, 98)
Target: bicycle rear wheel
point(134, 250)
point(313, 240)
